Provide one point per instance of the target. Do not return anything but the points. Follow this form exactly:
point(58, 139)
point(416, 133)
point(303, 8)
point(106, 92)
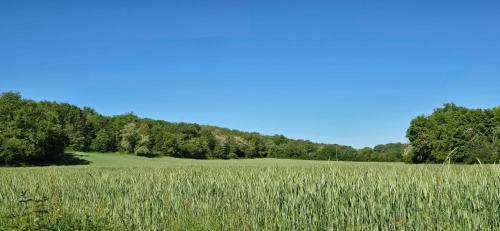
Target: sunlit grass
point(123, 192)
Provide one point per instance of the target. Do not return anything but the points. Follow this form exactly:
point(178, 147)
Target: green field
point(125, 192)
point(127, 160)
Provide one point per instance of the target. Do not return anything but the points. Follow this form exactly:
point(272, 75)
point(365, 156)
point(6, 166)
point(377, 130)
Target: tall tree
point(129, 137)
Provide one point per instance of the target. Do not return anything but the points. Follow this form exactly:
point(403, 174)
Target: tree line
point(455, 134)
point(39, 132)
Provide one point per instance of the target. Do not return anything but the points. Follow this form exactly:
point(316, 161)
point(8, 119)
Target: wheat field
point(252, 195)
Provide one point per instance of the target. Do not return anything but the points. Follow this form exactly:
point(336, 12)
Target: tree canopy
point(455, 134)
point(38, 132)
point(29, 132)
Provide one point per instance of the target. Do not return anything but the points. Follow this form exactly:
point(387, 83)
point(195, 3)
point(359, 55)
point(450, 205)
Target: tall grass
point(337, 197)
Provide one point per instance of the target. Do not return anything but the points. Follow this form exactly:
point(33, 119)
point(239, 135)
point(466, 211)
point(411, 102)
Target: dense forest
point(39, 132)
point(455, 134)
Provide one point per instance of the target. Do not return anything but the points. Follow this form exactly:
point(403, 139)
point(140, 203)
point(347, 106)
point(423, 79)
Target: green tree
point(29, 133)
point(454, 134)
point(195, 148)
point(144, 143)
point(104, 141)
point(129, 137)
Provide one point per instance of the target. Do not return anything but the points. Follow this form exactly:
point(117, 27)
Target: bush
point(143, 151)
point(12, 151)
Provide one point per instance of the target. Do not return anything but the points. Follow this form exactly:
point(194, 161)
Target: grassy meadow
point(125, 192)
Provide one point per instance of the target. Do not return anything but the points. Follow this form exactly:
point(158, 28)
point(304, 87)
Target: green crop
point(336, 196)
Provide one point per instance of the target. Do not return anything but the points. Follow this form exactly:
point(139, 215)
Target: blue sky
point(348, 72)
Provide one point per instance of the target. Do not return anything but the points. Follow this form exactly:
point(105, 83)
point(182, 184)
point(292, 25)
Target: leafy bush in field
point(455, 134)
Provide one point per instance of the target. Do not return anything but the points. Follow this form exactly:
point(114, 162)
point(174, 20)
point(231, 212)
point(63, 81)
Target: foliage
point(29, 133)
point(130, 137)
point(34, 132)
point(455, 134)
point(104, 141)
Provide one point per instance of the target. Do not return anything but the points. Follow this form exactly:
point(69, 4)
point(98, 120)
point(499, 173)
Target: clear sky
point(349, 72)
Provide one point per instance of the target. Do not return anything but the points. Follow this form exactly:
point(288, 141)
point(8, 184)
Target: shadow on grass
point(69, 159)
point(149, 155)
